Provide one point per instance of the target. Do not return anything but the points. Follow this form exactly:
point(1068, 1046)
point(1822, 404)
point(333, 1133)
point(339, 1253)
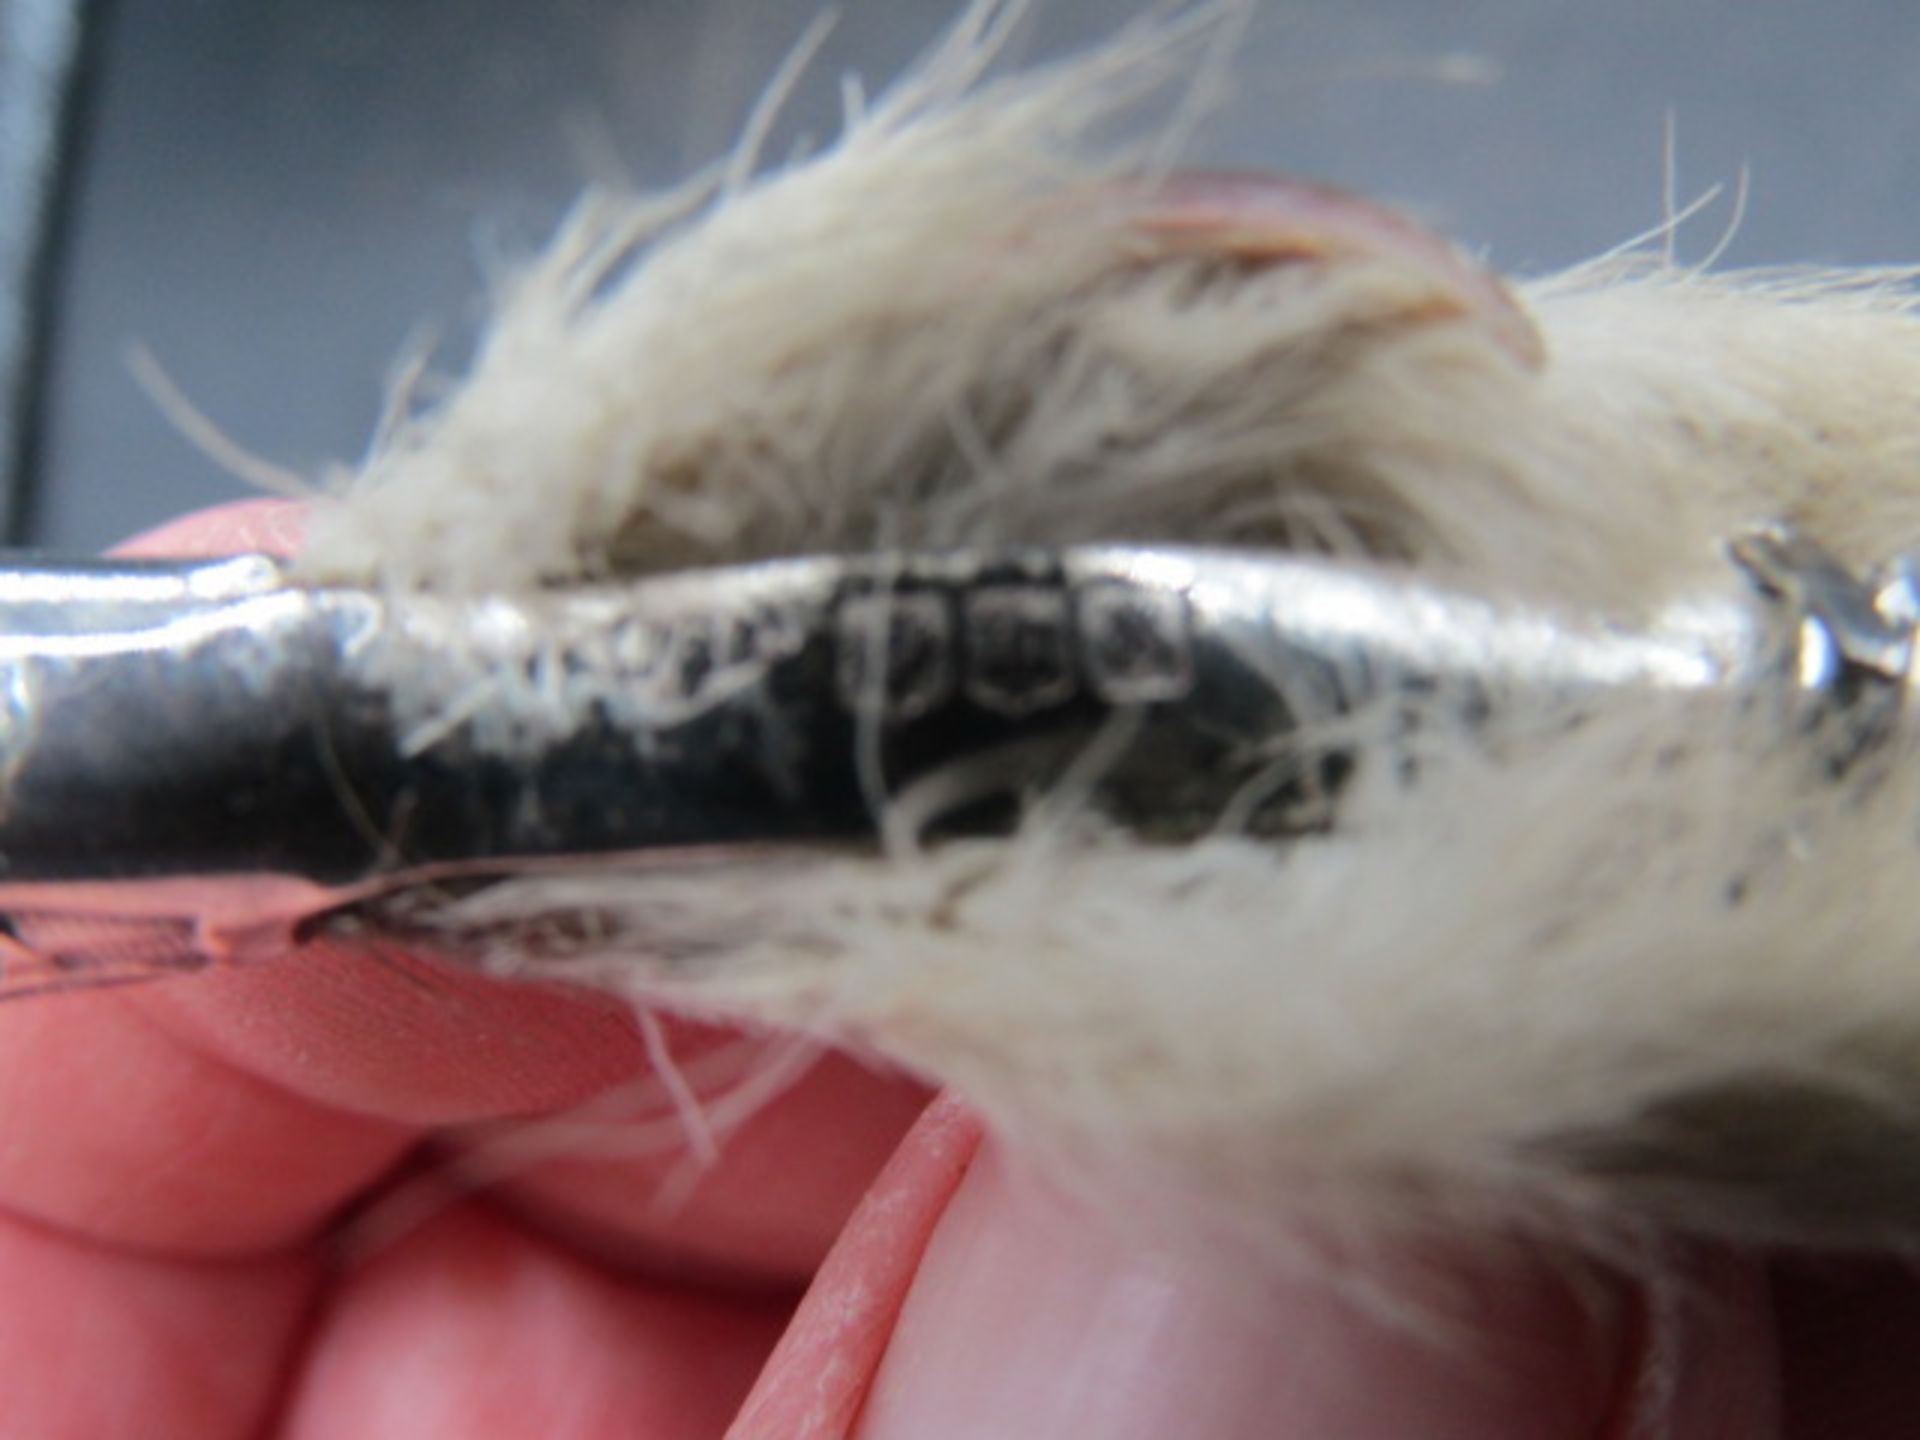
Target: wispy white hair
point(1658, 967)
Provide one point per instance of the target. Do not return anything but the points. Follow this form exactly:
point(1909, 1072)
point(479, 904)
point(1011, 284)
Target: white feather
point(953, 326)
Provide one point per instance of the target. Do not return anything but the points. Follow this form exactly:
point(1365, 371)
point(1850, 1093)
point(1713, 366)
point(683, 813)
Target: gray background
point(278, 195)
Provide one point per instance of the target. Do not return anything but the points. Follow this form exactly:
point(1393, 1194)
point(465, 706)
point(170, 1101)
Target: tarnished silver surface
point(210, 718)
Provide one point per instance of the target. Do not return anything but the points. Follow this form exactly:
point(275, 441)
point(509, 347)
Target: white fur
point(948, 327)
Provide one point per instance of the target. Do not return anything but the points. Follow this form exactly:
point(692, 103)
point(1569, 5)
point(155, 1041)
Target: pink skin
point(182, 1164)
point(1279, 220)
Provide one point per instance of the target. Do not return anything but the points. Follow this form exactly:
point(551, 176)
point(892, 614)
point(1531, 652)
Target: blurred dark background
point(276, 197)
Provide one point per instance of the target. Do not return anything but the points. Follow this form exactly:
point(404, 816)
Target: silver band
point(209, 718)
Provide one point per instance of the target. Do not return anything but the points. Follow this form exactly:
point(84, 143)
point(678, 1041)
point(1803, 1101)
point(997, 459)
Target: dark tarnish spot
point(1767, 1159)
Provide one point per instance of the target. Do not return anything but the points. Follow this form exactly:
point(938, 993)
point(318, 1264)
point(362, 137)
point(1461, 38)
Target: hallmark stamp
point(1137, 643)
point(1019, 648)
point(895, 654)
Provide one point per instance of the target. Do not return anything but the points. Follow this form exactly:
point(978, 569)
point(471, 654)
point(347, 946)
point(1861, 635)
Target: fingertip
point(764, 1208)
point(473, 1326)
point(274, 527)
point(401, 1037)
point(111, 1345)
point(118, 1133)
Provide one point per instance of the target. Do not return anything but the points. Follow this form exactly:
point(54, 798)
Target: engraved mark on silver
point(1138, 643)
point(1019, 649)
point(895, 654)
point(636, 649)
point(514, 677)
